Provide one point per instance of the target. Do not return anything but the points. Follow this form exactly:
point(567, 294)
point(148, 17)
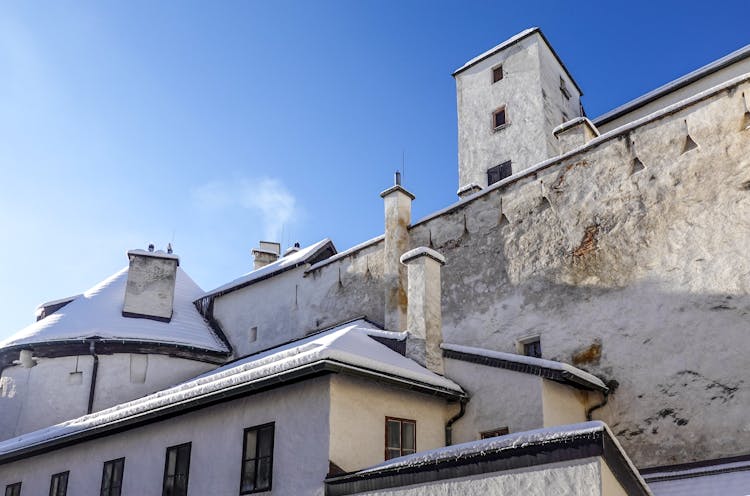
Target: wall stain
point(589, 242)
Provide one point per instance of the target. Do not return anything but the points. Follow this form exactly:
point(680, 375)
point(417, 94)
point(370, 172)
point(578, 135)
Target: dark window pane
point(176, 470)
point(59, 484)
point(499, 172)
point(497, 74)
point(533, 349)
point(266, 442)
point(392, 453)
point(393, 434)
point(264, 473)
point(251, 438)
point(257, 466)
point(248, 476)
point(13, 489)
point(500, 118)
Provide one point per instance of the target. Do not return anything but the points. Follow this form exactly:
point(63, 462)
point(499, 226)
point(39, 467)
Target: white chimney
point(151, 281)
point(424, 318)
point(267, 253)
point(397, 202)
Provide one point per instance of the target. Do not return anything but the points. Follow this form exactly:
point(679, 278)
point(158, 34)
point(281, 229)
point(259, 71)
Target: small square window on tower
point(533, 348)
point(497, 73)
point(499, 118)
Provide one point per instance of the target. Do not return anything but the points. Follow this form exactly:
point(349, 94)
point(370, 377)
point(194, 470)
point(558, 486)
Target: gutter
point(320, 368)
point(94, 371)
point(453, 420)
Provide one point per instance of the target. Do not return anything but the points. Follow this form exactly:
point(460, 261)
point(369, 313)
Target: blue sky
point(216, 124)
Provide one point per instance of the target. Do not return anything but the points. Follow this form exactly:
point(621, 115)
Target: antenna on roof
point(151, 247)
point(169, 248)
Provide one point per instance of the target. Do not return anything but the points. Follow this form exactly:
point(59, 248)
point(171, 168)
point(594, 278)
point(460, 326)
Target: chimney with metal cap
point(397, 202)
point(152, 276)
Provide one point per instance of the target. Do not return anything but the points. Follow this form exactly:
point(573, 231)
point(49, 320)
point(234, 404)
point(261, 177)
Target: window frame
point(500, 431)
point(499, 168)
point(245, 459)
point(494, 71)
point(504, 110)
point(114, 463)
point(536, 344)
point(13, 489)
point(166, 465)
point(58, 476)
point(401, 422)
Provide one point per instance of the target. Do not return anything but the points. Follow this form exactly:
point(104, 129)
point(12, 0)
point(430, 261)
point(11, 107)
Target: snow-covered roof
point(535, 447)
point(309, 254)
point(348, 348)
point(678, 83)
point(97, 313)
point(567, 372)
point(730, 478)
point(510, 41)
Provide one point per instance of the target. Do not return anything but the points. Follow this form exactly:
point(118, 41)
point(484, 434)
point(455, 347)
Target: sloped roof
point(344, 349)
point(310, 254)
point(97, 313)
point(725, 477)
point(549, 369)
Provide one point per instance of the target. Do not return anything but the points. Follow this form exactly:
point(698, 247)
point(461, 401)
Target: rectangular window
point(533, 348)
point(501, 431)
point(497, 74)
point(176, 468)
point(400, 437)
point(257, 459)
point(112, 477)
point(58, 486)
point(498, 118)
point(564, 89)
point(13, 489)
point(495, 174)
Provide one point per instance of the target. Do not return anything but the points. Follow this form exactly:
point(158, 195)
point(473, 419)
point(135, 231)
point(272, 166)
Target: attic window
point(499, 172)
point(497, 74)
point(500, 431)
point(499, 119)
point(564, 89)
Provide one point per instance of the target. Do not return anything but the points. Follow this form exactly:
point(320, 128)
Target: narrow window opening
point(564, 89)
point(176, 470)
point(500, 431)
point(497, 74)
point(58, 485)
point(112, 477)
point(138, 368)
point(400, 437)
point(257, 459)
point(13, 489)
point(499, 118)
point(499, 172)
point(533, 348)
point(252, 334)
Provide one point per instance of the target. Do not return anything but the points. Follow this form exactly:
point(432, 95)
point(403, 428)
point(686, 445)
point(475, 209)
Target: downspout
point(94, 370)
point(597, 406)
point(453, 420)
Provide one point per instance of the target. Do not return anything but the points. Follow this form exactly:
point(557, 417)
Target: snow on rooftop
point(349, 344)
point(527, 360)
point(494, 444)
point(497, 48)
point(98, 313)
point(287, 262)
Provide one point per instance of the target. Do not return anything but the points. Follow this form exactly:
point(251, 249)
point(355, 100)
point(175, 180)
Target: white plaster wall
point(737, 69)
point(291, 304)
point(114, 386)
point(655, 296)
point(523, 140)
point(498, 398)
point(554, 102)
point(576, 478)
point(44, 395)
point(562, 404)
point(358, 411)
point(300, 448)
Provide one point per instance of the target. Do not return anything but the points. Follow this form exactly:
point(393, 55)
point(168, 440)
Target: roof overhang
point(287, 377)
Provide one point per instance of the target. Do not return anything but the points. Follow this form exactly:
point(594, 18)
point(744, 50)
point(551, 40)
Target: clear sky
point(216, 124)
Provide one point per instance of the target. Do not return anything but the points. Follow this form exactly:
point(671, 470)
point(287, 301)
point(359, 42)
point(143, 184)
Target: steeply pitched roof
point(346, 349)
point(97, 313)
point(728, 477)
point(310, 254)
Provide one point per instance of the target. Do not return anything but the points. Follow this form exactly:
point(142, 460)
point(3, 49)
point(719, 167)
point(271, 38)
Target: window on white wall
point(112, 477)
point(252, 334)
point(58, 485)
point(257, 459)
point(530, 346)
point(176, 470)
point(13, 489)
point(400, 437)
